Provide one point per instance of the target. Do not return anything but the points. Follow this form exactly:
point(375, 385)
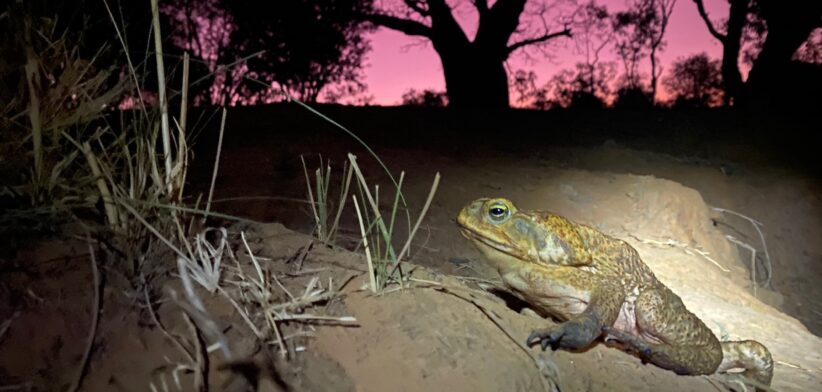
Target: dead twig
point(201, 364)
point(160, 325)
point(196, 310)
point(758, 226)
point(407, 246)
point(685, 248)
point(311, 271)
point(753, 258)
point(303, 254)
point(78, 381)
point(216, 166)
point(262, 285)
point(371, 275)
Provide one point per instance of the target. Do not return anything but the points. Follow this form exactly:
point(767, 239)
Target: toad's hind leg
point(672, 337)
point(749, 355)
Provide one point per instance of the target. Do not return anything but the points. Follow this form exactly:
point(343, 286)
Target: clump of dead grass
point(106, 173)
point(52, 95)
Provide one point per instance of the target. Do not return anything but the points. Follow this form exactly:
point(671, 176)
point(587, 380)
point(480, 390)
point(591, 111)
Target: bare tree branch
point(566, 32)
point(405, 26)
point(700, 6)
point(417, 6)
point(442, 16)
point(497, 25)
point(481, 6)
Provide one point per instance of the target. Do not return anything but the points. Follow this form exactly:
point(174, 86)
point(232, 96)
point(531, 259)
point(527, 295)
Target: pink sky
point(398, 62)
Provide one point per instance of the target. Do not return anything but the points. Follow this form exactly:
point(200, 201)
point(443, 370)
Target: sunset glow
point(398, 62)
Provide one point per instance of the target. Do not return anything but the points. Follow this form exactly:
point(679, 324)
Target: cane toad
point(599, 287)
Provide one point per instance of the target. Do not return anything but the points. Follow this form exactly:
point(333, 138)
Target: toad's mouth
point(484, 240)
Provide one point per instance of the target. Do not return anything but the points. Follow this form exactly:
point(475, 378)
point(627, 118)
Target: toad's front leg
point(581, 330)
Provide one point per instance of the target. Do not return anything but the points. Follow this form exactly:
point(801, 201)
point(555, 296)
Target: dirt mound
point(424, 336)
point(420, 339)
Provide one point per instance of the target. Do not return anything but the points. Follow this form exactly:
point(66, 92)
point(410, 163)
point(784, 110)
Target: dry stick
point(151, 228)
point(301, 272)
point(371, 276)
point(262, 286)
point(243, 314)
point(108, 202)
point(395, 206)
point(182, 236)
point(311, 200)
point(285, 290)
point(685, 248)
point(241, 311)
point(707, 257)
point(303, 302)
point(182, 149)
point(201, 365)
point(184, 99)
point(343, 193)
point(273, 322)
point(312, 317)
point(132, 72)
point(304, 253)
point(407, 245)
point(261, 283)
point(756, 224)
point(216, 165)
point(377, 216)
point(159, 324)
point(753, 258)
point(161, 87)
point(94, 318)
point(430, 198)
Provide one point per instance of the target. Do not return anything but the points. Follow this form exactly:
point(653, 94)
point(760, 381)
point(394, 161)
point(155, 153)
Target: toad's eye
point(498, 212)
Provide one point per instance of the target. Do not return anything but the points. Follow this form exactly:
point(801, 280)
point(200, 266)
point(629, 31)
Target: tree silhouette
point(811, 50)
point(731, 40)
point(583, 87)
point(425, 98)
point(629, 49)
point(594, 33)
point(789, 25)
point(632, 98)
point(643, 26)
point(525, 84)
point(695, 81)
point(307, 45)
point(302, 47)
point(474, 69)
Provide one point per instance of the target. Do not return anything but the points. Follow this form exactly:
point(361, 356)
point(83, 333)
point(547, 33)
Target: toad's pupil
point(497, 211)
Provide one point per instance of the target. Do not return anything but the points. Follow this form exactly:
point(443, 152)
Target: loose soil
point(442, 331)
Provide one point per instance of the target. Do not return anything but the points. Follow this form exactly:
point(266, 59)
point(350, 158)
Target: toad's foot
point(570, 335)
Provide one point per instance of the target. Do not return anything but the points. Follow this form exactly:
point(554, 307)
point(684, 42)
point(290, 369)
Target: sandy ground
point(459, 338)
